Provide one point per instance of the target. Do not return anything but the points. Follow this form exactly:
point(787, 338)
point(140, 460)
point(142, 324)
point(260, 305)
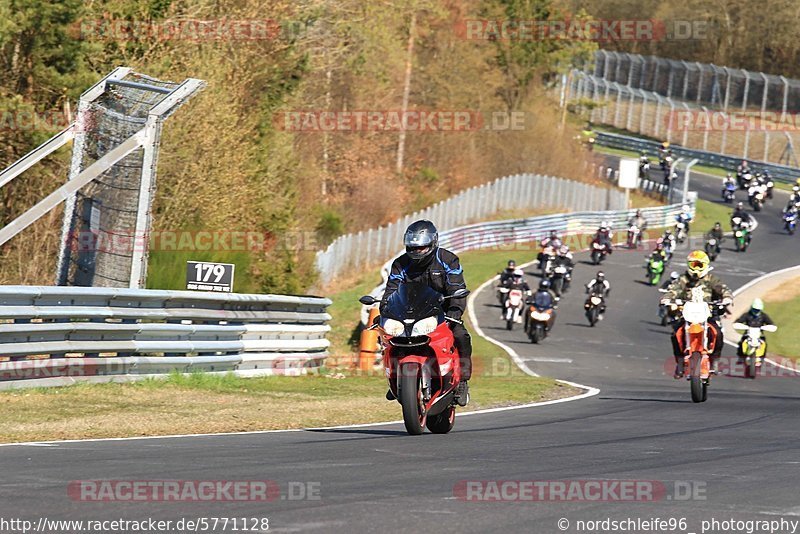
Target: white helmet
point(685, 207)
point(519, 272)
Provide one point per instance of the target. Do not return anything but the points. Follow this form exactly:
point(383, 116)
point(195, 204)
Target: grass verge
point(783, 306)
point(202, 403)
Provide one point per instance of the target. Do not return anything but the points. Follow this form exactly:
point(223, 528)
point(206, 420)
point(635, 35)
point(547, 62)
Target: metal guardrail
point(521, 191)
point(780, 173)
point(501, 234)
point(60, 335)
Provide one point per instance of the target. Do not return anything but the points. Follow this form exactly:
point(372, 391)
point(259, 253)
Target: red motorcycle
point(421, 361)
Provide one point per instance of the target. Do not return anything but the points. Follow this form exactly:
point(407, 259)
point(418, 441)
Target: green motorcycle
point(655, 268)
point(741, 234)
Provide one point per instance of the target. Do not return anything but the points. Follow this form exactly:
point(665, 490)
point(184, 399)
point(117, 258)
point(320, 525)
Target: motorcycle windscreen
point(413, 300)
point(542, 301)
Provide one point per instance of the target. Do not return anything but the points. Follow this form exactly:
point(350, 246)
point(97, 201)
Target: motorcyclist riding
point(552, 241)
point(673, 277)
point(697, 275)
point(603, 236)
point(425, 262)
point(716, 233)
point(755, 317)
point(639, 221)
point(685, 217)
point(508, 272)
point(542, 295)
point(741, 213)
point(598, 286)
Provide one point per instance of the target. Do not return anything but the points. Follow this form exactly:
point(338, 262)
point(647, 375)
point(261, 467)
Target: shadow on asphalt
point(585, 325)
point(365, 431)
point(641, 399)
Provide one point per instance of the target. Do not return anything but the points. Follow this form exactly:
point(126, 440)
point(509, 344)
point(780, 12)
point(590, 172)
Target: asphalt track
point(739, 449)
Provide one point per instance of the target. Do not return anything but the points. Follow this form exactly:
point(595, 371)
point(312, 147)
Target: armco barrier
point(518, 192)
point(780, 173)
point(59, 335)
point(503, 234)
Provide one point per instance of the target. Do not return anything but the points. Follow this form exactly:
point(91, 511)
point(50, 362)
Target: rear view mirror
point(460, 293)
point(367, 300)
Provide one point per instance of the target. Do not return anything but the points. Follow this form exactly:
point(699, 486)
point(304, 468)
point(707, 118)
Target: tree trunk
point(401, 144)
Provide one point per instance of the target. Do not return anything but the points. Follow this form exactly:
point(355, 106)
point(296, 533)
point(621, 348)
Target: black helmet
point(601, 275)
point(511, 264)
point(739, 206)
point(421, 240)
point(717, 225)
point(553, 234)
point(544, 284)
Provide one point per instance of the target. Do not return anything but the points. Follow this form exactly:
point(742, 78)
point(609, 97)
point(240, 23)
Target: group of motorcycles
point(665, 161)
point(536, 310)
point(790, 212)
point(759, 187)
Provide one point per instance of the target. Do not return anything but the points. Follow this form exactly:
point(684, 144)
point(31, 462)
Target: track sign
point(204, 276)
point(628, 173)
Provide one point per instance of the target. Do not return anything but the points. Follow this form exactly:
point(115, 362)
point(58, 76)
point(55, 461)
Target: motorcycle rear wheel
point(442, 423)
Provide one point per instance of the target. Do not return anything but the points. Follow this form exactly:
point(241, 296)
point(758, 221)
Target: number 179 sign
point(204, 276)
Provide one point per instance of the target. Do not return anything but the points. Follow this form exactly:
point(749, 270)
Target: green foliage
point(329, 226)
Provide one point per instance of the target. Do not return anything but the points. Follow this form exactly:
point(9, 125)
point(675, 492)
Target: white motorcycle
point(513, 308)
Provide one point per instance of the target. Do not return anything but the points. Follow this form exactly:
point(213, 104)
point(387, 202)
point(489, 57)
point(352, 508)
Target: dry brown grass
point(224, 404)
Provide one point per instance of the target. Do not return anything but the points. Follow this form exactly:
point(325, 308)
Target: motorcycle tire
point(442, 423)
point(411, 399)
point(697, 385)
point(591, 315)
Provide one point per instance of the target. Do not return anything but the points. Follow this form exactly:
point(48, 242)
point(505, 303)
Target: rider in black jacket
point(424, 262)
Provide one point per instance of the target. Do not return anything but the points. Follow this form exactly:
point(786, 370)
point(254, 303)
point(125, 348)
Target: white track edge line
point(750, 284)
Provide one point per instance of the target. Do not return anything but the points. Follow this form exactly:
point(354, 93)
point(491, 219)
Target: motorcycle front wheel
point(411, 399)
point(698, 386)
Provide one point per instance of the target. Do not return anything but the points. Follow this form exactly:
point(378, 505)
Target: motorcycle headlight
point(393, 327)
point(425, 326)
point(738, 233)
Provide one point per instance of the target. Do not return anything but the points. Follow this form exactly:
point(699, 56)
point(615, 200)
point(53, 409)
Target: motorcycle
point(729, 193)
point(756, 194)
point(712, 248)
point(745, 180)
point(634, 236)
point(770, 185)
point(548, 259)
point(540, 313)
point(741, 234)
point(668, 313)
point(513, 310)
point(644, 169)
point(655, 268)
point(696, 343)
point(559, 280)
point(754, 348)
point(680, 231)
point(422, 364)
point(593, 306)
point(790, 221)
point(599, 251)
